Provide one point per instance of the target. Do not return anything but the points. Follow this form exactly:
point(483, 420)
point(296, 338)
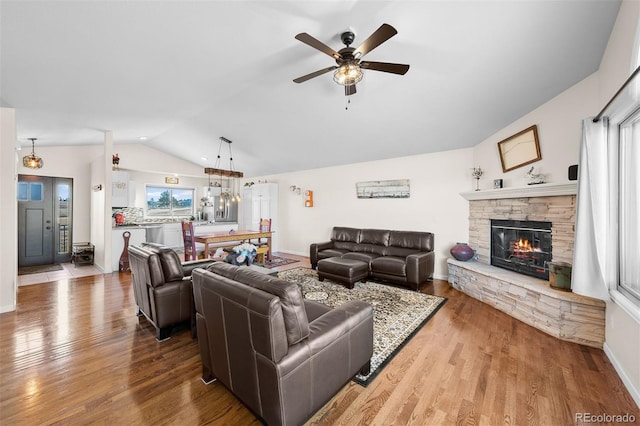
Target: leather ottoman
point(346, 271)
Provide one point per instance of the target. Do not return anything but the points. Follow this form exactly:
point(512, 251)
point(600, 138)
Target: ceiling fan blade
point(350, 90)
point(317, 44)
point(379, 36)
point(314, 74)
point(385, 67)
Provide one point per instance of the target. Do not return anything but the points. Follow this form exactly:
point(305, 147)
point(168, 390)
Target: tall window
point(169, 202)
point(629, 189)
point(629, 205)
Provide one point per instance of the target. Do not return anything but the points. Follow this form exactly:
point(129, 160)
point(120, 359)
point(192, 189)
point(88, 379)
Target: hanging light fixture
point(348, 74)
point(231, 194)
point(32, 161)
point(209, 198)
point(235, 194)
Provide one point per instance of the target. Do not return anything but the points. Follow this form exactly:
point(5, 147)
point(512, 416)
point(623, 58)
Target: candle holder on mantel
point(476, 173)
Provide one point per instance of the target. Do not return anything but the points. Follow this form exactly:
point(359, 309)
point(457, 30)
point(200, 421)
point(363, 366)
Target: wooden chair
point(265, 226)
point(188, 237)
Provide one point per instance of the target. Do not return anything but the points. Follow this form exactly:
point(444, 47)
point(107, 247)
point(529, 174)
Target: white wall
point(97, 214)
point(559, 124)
point(622, 332)
point(70, 162)
point(8, 211)
point(434, 205)
point(617, 61)
point(559, 127)
point(144, 158)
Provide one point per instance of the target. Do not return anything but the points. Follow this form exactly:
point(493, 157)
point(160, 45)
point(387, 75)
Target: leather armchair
point(281, 355)
point(162, 286)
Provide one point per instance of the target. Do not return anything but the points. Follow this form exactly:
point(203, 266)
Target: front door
point(44, 220)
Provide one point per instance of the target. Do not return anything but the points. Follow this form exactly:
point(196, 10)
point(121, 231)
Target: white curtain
point(589, 274)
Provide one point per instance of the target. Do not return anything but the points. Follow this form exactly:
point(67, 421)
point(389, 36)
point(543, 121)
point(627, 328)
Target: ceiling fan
point(348, 70)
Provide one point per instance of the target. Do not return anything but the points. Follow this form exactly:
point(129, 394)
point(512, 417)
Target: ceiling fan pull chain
point(346, 107)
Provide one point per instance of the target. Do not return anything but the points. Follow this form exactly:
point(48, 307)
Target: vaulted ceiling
point(184, 73)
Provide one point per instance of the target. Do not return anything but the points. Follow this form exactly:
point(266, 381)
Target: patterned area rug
point(26, 270)
point(278, 261)
point(397, 313)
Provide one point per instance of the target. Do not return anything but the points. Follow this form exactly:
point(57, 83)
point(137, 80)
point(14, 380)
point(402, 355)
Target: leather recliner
point(284, 357)
point(162, 286)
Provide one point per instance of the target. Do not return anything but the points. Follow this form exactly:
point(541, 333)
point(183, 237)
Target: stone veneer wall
point(559, 210)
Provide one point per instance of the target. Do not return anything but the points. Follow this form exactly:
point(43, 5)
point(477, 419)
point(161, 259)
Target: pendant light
point(232, 194)
point(32, 161)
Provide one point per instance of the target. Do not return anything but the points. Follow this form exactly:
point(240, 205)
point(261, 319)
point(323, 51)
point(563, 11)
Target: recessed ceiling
point(184, 73)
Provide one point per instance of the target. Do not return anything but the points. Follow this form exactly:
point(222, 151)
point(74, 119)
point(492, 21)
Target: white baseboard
point(635, 392)
point(297, 253)
point(7, 308)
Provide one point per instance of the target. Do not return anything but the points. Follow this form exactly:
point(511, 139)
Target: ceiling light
point(348, 74)
point(143, 138)
point(32, 161)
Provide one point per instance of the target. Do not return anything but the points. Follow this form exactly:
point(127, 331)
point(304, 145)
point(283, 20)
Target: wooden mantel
point(541, 190)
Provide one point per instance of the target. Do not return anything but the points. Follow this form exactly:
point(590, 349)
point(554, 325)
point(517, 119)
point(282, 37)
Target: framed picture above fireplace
point(520, 149)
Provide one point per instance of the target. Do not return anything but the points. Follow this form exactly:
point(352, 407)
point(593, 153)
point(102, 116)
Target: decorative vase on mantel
point(461, 251)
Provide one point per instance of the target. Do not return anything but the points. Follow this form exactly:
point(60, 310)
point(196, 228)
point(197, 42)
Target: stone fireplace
point(565, 315)
point(559, 210)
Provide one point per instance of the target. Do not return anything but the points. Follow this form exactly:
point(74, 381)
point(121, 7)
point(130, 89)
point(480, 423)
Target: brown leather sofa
point(283, 356)
point(401, 257)
point(162, 286)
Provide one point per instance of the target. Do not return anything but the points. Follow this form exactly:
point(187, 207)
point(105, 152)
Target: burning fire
point(524, 246)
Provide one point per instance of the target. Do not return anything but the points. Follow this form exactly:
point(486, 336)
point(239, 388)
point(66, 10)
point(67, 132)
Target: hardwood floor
point(74, 352)
point(69, 270)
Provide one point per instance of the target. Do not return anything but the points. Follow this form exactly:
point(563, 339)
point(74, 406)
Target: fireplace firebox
point(522, 246)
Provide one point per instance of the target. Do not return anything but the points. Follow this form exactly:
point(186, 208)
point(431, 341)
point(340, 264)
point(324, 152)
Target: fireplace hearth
point(529, 299)
point(522, 246)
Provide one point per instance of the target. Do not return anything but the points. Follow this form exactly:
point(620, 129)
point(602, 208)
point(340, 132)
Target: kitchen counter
point(163, 222)
point(206, 227)
point(204, 222)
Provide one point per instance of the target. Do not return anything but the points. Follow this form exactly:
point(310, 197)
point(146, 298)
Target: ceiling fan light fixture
point(32, 161)
point(348, 74)
point(348, 69)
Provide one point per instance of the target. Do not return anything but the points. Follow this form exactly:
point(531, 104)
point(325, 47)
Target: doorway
point(45, 220)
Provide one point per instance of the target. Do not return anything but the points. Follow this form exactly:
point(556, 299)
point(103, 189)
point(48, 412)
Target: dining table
point(244, 235)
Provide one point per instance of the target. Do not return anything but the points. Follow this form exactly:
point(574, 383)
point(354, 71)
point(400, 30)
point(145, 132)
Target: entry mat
point(38, 269)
